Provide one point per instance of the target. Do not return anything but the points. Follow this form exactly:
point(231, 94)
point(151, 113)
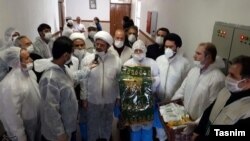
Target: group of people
point(71, 26)
point(55, 84)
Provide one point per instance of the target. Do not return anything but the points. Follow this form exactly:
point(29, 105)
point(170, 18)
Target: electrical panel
point(241, 42)
point(231, 40)
point(222, 38)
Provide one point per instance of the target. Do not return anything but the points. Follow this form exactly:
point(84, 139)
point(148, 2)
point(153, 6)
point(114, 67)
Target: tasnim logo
point(235, 133)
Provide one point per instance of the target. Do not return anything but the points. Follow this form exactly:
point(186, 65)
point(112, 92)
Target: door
point(117, 11)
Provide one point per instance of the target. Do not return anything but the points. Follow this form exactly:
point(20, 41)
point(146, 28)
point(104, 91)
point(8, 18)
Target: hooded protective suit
point(19, 100)
point(143, 131)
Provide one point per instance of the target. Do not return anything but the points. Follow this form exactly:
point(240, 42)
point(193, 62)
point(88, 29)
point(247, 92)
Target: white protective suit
point(19, 101)
point(102, 80)
point(155, 73)
point(125, 55)
point(42, 48)
point(199, 90)
point(172, 72)
point(59, 105)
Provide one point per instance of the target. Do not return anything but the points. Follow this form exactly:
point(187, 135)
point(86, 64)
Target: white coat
point(101, 85)
point(172, 72)
point(199, 90)
point(125, 55)
point(19, 105)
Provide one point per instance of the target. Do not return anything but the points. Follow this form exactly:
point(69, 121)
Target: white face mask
point(92, 34)
point(118, 43)
point(30, 48)
point(131, 38)
point(198, 64)
point(79, 53)
point(29, 66)
point(233, 85)
point(48, 35)
point(159, 40)
point(169, 52)
point(139, 57)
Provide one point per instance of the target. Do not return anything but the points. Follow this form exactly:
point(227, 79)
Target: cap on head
point(105, 36)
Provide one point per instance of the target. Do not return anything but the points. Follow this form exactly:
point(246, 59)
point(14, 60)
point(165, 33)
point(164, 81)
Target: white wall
point(80, 8)
point(26, 15)
point(193, 20)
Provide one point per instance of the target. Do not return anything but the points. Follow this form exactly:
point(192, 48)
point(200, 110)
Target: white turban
point(77, 35)
point(139, 44)
point(105, 36)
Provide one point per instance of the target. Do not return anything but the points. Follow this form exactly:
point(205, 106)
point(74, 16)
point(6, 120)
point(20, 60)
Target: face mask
point(30, 49)
point(79, 53)
point(198, 64)
point(119, 44)
point(48, 36)
point(131, 38)
point(29, 66)
point(169, 52)
point(233, 85)
point(67, 62)
point(139, 57)
point(159, 40)
point(92, 34)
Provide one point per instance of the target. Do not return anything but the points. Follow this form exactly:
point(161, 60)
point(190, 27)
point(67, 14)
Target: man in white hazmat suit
point(43, 43)
point(100, 89)
point(202, 84)
point(19, 103)
point(58, 100)
point(143, 131)
point(173, 70)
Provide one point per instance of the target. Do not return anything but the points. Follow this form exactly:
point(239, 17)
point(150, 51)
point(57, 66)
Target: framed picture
point(92, 4)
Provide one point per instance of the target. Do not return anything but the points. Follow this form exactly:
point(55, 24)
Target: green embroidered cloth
point(136, 95)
